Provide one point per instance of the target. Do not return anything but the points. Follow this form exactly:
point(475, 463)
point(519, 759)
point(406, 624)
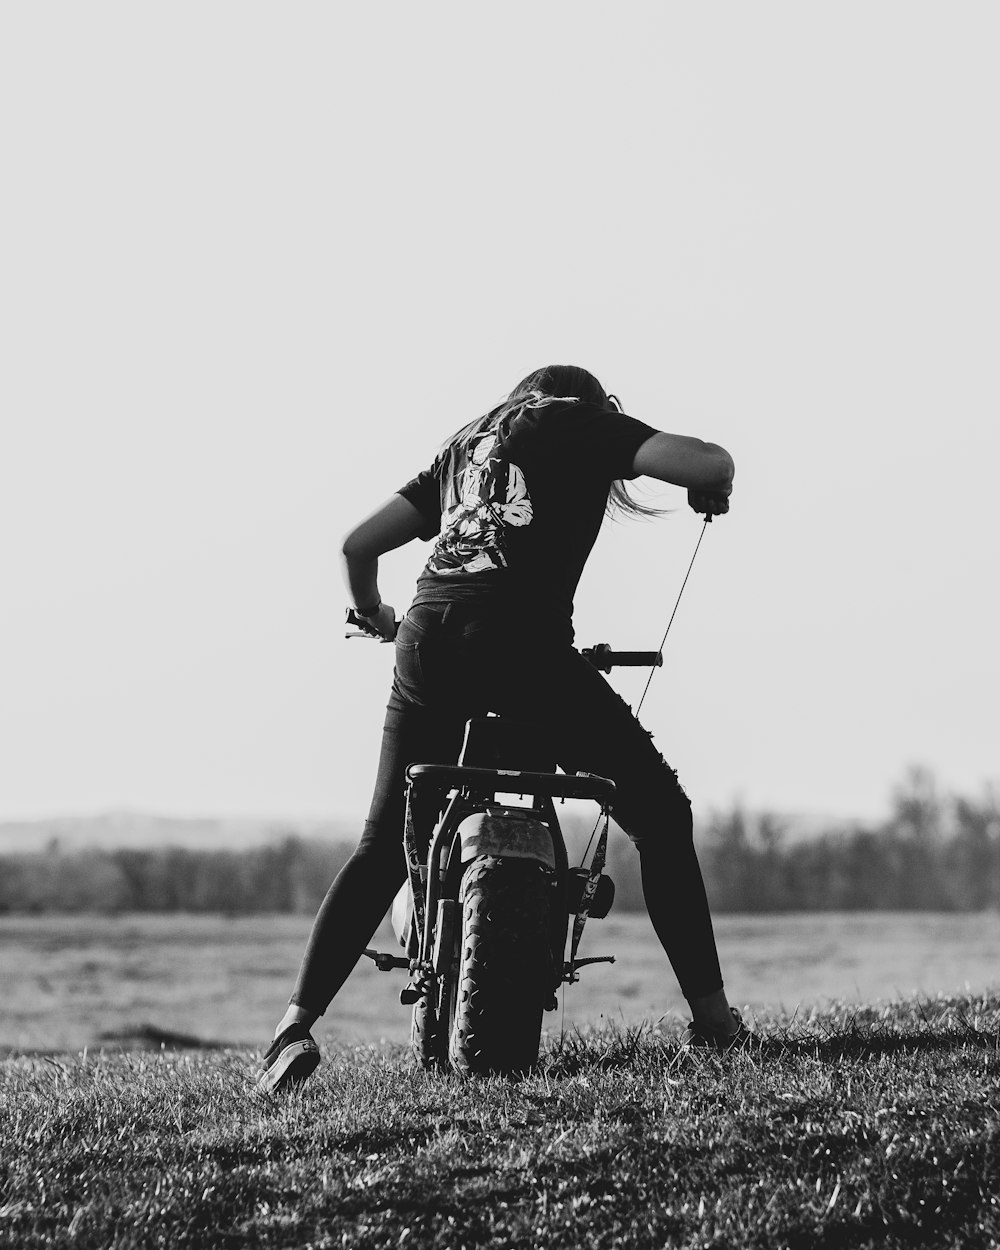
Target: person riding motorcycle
point(513, 504)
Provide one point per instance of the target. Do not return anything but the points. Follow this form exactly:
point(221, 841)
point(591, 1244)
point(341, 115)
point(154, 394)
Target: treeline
point(934, 853)
point(291, 875)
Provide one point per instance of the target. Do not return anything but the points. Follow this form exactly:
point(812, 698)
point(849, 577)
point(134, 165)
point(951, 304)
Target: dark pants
point(452, 663)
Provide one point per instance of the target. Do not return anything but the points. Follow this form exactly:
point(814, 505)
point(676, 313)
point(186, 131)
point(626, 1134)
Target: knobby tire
point(504, 974)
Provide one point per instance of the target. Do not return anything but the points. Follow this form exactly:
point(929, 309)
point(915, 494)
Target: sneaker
point(291, 1057)
point(698, 1037)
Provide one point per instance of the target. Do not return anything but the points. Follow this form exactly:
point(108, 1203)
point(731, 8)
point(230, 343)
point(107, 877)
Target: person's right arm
point(391, 525)
point(705, 469)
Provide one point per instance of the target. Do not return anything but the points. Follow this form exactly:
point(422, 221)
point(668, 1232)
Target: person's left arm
point(392, 525)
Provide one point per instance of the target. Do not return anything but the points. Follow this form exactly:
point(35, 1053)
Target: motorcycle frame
point(473, 790)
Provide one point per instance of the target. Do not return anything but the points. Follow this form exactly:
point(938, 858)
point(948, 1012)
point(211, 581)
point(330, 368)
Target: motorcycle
point(484, 915)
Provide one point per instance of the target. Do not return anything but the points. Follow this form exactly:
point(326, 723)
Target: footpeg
point(571, 971)
point(386, 963)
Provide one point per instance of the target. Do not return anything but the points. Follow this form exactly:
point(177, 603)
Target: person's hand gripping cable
point(710, 503)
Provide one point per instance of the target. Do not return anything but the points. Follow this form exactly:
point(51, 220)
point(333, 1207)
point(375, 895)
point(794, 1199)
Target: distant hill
point(110, 830)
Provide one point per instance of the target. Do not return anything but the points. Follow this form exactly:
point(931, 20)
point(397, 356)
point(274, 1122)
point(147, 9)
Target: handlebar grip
point(604, 659)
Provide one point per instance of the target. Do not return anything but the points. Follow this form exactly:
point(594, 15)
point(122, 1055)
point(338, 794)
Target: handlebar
point(600, 655)
point(604, 659)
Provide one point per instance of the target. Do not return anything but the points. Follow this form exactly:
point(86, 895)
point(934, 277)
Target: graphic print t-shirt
point(514, 515)
point(478, 506)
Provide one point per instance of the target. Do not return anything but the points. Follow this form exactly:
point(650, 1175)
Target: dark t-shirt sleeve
point(424, 492)
point(596, 441)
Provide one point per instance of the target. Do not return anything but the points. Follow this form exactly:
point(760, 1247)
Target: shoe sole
point(296, 1062)
point(743, 1039)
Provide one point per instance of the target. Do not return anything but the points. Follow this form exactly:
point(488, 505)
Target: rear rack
point(512, 781)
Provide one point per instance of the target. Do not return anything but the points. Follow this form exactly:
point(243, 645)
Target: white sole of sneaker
point(294, 1064)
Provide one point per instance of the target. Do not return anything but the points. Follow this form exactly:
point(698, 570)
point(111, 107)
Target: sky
point(257, 261)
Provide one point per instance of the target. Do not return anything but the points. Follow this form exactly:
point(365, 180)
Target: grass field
point(72, 981)
point(851, 1124)
point(850, 1127)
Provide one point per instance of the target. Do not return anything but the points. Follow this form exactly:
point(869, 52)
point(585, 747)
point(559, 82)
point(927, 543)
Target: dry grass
point(871, 1127)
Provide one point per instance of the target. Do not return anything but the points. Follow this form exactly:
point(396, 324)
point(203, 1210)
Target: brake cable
point(659, 654)
point(708, 516)
point(663, 640)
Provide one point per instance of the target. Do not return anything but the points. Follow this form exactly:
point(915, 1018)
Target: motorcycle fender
point(506, 832)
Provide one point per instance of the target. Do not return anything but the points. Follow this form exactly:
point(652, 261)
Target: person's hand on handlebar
point(710, 502)
point(381, 625)
point(384, 622)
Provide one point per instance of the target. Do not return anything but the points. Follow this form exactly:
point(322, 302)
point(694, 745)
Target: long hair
point(558, 384)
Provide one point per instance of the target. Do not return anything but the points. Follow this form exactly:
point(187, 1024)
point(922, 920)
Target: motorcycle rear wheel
point(504, 972)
